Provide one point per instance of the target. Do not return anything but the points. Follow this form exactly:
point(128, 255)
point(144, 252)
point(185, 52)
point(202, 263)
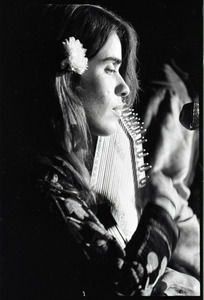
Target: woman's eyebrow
point(113, 59)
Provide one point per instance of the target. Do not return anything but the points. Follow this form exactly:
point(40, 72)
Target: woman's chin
point(104, 130)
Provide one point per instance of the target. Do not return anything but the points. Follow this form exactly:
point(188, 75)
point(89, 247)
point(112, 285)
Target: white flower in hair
point(75, 56)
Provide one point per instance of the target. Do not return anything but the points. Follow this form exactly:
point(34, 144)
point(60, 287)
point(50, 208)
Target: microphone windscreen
point(189, 116)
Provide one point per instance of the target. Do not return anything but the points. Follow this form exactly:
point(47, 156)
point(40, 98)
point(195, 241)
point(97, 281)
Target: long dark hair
point(52, 114)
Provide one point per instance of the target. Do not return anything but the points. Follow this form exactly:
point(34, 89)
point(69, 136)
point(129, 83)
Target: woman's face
point(104, 88)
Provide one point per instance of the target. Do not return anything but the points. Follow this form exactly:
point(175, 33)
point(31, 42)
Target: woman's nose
point(122, 89)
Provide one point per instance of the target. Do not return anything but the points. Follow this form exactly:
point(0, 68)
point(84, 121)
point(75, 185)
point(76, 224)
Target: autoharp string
point(119, 172)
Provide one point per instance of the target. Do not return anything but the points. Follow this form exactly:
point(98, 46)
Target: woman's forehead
point(111, 50)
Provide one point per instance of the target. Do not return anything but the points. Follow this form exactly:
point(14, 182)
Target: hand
point(174, 283)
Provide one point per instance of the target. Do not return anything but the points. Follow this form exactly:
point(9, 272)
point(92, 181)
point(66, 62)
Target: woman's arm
point(148, 252)
point(134, 271)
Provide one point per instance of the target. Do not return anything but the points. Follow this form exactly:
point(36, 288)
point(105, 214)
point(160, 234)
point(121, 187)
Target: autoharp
point(119, 173)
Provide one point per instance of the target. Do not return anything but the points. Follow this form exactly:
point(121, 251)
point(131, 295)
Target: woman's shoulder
point(53, 173)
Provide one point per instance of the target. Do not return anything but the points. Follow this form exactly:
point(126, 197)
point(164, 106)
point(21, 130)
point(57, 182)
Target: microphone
point(189, 116)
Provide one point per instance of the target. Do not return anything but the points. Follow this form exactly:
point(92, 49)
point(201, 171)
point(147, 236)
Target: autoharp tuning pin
point(126, 109)
point(127, 113)
point(141, 140)
point(145, 167)
point(136, 126)
point(143, 181)
point(140, 129)
point(143, 130)
point(131, 118)
point(135, 123)
point(142, 153)
point(135, 114)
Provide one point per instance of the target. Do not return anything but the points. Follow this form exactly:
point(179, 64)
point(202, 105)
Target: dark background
point(167, 29)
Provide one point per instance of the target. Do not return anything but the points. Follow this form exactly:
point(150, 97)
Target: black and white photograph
point(101, 149)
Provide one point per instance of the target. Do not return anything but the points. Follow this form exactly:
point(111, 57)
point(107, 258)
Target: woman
point(78, 71)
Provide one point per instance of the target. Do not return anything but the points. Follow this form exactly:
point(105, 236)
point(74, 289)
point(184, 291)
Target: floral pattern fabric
point(140, 265)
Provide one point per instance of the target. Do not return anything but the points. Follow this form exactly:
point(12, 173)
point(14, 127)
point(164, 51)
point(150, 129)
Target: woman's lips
point(118, 110)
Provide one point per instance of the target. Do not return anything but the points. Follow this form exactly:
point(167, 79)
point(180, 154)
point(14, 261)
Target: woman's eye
point(109, 70)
